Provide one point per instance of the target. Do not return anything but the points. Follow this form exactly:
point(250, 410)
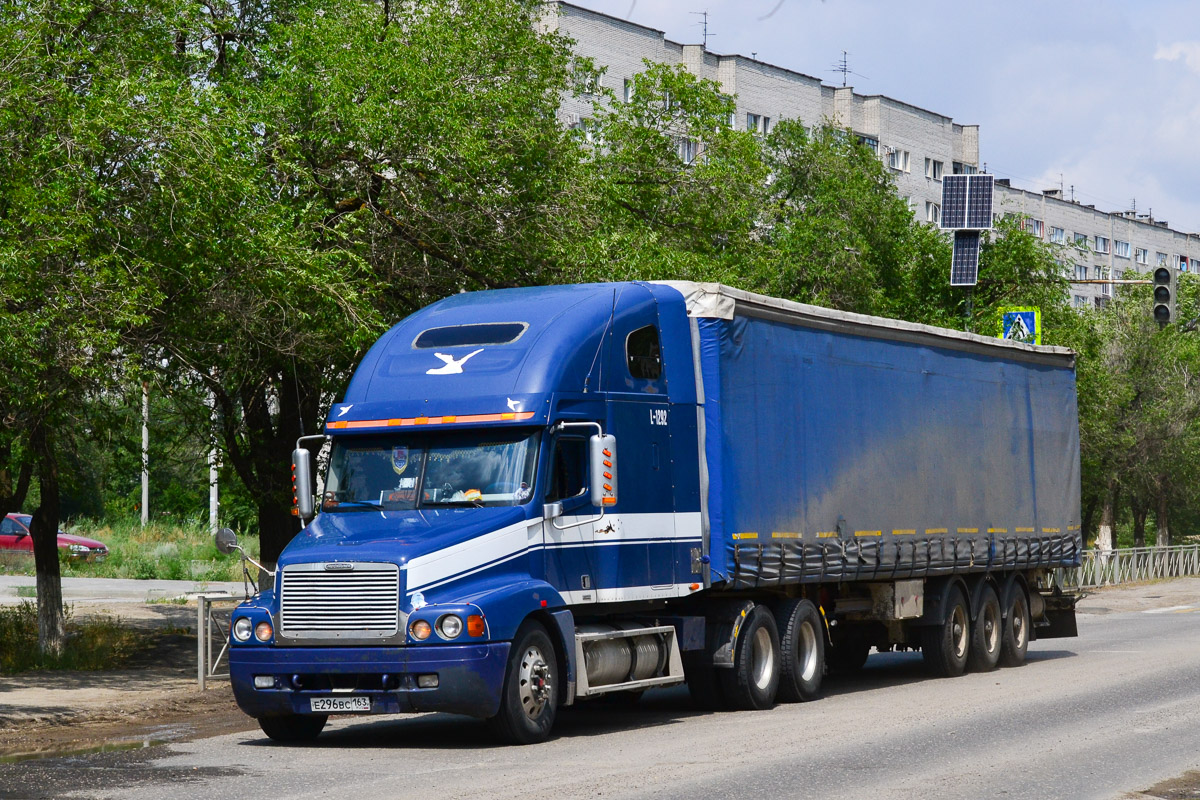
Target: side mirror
point(602, 453)
point(302, 483)
point(226, 540)
point(552, 510)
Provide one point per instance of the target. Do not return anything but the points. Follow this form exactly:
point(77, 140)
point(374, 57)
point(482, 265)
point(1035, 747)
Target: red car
point(14, 535)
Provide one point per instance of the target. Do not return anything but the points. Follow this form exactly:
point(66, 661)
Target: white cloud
point(1188, 51)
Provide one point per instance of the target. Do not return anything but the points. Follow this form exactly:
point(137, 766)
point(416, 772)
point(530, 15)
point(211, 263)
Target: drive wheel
point(802, 650)
point(754, 680)
point(1015, 641)
point(293, 727)
point(986, 633)
point(944, 646)
point(529, 698)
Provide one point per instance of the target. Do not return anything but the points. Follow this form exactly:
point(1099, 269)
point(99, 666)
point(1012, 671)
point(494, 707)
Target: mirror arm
point(245, 557)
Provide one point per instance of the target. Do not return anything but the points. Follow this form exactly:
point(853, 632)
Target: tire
point(702, 682)
point(1017, 625)
point(754, 680)
point(945, 646)
point(987, 632)
point(847, 654)
point(802, 650)
point(293, 727)
point(529, 697)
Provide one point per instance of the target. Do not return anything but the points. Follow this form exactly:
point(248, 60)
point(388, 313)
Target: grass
point(92, 644)
point(157, 551)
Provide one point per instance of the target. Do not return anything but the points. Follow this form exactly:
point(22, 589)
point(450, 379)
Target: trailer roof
point(718, 301)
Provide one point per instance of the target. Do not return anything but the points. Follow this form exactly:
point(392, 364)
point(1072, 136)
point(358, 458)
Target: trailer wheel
point(1015, 643)
point(944, 646)
point(754, 680)
point(986, 633)
point(293, 727)
point(802, 650)
point(529, 698)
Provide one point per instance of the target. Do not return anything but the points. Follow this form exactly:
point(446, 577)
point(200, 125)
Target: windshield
point(398, 472)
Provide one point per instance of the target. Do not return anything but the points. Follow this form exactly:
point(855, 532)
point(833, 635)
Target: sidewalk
point(114, 590)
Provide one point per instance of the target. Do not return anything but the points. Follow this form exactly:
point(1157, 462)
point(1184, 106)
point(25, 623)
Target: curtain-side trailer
point(532, 497)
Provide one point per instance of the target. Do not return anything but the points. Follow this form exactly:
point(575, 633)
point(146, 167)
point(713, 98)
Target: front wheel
point(293, 727)
point(529, 698)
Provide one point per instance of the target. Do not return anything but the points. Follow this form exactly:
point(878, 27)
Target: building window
point(688, 150)
point(1183, 263)
point(1105, 288)
point(1101, 244)
point(1080, 301)
point(1081, 271)
point(1141, 255)
point(933, 212)
point(960, 168)
point(898, 159)
point(1034, 227)
point(586, 126)
point(1160, 259)
point(591, 83)
point(757, 123)
point(869, 141)
point(1121, 249)
point(628, 93)
point(1101, 302)
point(1081, 241)
point(1058, 235)
point(933, 169)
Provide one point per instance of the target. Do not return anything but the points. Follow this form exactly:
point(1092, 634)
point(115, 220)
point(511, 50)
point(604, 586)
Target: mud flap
point(1059, 619)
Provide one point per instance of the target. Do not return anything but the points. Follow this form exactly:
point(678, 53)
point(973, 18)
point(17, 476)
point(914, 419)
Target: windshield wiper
point(363, 503)
point(455, 504)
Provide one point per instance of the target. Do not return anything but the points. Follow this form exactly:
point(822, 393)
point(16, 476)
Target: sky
point(1102, 95)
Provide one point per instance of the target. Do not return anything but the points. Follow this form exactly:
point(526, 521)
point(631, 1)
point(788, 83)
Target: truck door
point(569, 538)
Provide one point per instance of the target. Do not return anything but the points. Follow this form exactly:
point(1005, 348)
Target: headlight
point(242, 629)
point(449, 626)
point(262, 631)
point(80, 548)
point(420, 630)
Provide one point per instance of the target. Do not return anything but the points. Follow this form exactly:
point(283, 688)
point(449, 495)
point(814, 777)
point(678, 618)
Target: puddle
point(150, 737)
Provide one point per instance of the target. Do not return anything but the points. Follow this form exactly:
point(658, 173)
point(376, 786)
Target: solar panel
point(979, 202)
point(964, 264)
point(954, 201)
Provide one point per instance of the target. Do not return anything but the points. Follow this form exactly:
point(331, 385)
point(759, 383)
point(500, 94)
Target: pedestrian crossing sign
point(1022, 324)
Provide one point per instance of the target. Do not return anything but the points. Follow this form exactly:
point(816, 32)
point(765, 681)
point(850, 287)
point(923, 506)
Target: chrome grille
point(357, 601)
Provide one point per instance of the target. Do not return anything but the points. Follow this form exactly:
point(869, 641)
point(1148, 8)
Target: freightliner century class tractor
point(535, 497)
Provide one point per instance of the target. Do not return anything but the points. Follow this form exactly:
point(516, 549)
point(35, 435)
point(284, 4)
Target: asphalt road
point(1114, 711)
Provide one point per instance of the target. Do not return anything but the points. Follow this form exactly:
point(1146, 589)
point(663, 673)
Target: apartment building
point(918, 145)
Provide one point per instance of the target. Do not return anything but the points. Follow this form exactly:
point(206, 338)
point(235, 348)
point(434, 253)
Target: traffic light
point(1164, 295)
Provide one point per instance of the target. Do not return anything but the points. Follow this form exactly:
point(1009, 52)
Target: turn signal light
point(262, 631)
point(420, 630)
point(475, 625)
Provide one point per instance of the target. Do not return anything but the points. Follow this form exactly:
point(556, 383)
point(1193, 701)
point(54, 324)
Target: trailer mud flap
point(1059, 620)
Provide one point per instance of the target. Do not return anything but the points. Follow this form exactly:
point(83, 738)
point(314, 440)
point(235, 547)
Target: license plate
point(337, 705)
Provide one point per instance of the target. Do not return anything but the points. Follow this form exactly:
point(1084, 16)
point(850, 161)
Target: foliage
point(94, 643)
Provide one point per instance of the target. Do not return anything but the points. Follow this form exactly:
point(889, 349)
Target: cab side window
point(643, 353)
point(568, 469)
point(9, 527)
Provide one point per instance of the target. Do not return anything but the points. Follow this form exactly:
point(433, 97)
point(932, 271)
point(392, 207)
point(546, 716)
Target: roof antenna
point(704, 23)
point(611, 317)
point(843, 66)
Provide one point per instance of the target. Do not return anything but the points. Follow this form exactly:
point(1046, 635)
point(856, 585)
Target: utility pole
point(145, 452)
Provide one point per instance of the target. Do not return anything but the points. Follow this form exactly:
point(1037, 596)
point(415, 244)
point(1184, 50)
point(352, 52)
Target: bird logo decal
point(452, 366)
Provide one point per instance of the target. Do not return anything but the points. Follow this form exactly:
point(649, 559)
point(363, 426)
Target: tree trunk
point(1140, 512)
point(1105, 540)
point(1089, 514)
point(1163, 537)
point(52, 634)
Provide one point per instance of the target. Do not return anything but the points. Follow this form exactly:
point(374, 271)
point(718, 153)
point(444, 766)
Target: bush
point(92, 644)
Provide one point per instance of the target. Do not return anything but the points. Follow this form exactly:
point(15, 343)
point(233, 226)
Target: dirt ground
point(157, 699)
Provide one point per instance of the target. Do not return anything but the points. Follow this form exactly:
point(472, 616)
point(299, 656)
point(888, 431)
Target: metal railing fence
point(1131, 565)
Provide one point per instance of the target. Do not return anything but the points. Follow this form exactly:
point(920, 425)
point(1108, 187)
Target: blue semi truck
point(533, 497)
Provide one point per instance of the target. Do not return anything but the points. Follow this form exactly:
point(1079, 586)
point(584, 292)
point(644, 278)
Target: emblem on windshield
point(399, 459)
point(452, 365)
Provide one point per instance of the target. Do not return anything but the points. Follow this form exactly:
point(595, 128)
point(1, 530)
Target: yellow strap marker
point(997, 530)
point(868, 533)
point(1024, 530)
point(786, 535)
point(903, 531)
point(737, 536)
point(826, 534)
point(968, 530)
point(935, 530)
